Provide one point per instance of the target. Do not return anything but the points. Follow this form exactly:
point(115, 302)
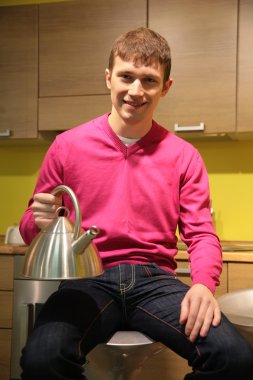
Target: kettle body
point(61, 251)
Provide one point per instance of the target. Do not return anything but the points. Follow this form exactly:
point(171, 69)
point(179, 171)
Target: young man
point(137, 182)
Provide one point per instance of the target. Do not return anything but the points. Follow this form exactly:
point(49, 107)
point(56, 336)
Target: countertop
point(228, 256)
point(233, 251)
point(6, 249)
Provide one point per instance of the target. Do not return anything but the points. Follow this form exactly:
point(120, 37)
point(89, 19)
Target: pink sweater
point(136, 195)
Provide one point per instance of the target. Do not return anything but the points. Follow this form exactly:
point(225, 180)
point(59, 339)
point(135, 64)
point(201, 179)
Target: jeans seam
point(91, 324)
point(147, 270)
point(132, 282)
point(122, 293)
point(123, 299)
point(168, 324)
point(124, 289)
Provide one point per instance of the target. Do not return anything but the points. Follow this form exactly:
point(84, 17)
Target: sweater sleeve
point(196, 225)
point(50, 176)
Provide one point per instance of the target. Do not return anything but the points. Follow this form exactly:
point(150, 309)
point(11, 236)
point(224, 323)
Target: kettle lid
point(60, 225)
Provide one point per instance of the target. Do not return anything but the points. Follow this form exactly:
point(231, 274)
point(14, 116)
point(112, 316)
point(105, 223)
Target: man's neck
point(129, 130)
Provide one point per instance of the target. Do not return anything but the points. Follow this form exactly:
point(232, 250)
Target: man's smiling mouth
point(134, 104)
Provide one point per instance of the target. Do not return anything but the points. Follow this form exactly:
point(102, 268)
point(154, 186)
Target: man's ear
point(108, 78)
point(167, 86)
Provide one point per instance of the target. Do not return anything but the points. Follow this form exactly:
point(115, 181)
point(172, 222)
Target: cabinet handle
point(189, 128)
point(5, 133)
point(33, 310)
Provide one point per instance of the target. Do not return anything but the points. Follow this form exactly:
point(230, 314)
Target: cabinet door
point(19, 72)
point(240, 276)
point(6, 299)
point(223, 287)
point(75, 41)
point(6, 272)
point(203, 37)
point(5, 354)
point(61, 113)
point(245, 67)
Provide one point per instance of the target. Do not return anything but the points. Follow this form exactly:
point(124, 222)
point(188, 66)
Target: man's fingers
point(217, 316)
point(195, 320)
point(207, 322)
point(46, 203)
point(47, 198)
point(44, 215)
point(184, 311)
point(199, 311)
point(44, 208)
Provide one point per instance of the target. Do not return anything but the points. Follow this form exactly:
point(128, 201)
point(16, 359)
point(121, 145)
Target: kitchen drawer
point(5, 354)
point(6, 272)
point(6, 299)
point(240, 276)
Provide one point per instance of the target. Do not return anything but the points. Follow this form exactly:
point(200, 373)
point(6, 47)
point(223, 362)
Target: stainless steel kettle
point(60, 251)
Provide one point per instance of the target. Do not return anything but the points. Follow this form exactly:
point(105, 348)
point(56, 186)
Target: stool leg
point(115, 362)
point(122, 368)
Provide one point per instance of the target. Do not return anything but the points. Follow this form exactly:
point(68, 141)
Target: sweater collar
point(154, 135)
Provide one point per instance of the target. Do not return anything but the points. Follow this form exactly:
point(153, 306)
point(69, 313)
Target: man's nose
point(136, 88)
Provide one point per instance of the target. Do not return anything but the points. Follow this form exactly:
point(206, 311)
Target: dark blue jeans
point(83, 313)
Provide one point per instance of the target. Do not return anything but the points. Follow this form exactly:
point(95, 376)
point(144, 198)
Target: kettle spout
point(80, 244)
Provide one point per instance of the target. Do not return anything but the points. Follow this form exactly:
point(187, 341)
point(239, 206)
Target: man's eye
point(150, 80)
point(126, 76)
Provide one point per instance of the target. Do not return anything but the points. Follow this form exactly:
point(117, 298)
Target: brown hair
point(144, 45)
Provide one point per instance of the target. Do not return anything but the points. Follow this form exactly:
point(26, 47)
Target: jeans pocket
point(154, 270)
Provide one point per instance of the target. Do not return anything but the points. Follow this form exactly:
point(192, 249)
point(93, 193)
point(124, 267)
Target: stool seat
point(122, 357)
point(129, 338)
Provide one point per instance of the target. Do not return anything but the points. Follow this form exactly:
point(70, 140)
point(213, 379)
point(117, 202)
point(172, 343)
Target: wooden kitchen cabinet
point(6, 272)
point(6, 300)
point(61, 113)
point(53, 58)
point(203, 40)
point(245, 67)
point(19, 72)
point(240, 276)
point(75, 39)
point(5, 354)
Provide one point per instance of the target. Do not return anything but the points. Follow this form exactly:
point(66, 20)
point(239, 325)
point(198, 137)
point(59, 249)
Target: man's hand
point(44, 208)
point(199, 310)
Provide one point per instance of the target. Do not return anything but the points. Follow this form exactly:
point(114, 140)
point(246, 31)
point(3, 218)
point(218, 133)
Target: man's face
point(135, 90)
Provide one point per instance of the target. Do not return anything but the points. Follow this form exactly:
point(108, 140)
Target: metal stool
point(122, 357)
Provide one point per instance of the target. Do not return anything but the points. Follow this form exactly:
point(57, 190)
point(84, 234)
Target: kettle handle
point(66, 189)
